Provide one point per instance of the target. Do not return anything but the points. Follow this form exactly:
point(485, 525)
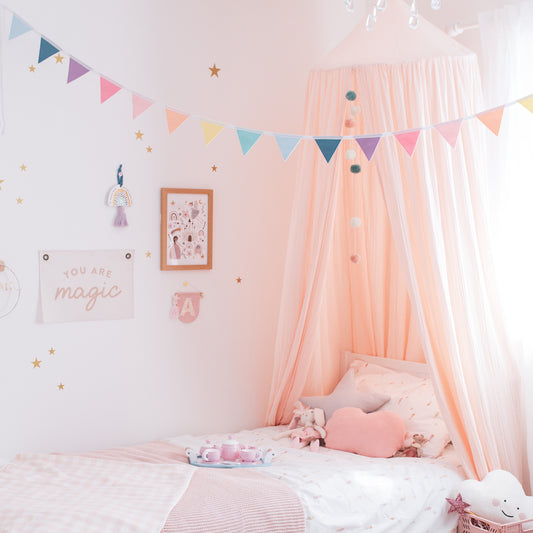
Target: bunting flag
point(174, 120)
point(211, 130)
point(107, 89)
point(492, 119)
point(46, 50)
point(528, 103)
point(368, 145)
point(75, 70)
point(287, 144)
point(408, 140)
point(140, 105)
point(328, 146)
point(18, 27)
point(247, 138)
point(450, 131)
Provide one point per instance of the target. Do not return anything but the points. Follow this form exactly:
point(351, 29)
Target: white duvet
point(345, 492)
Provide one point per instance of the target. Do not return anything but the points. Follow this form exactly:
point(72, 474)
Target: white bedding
point(345, 492)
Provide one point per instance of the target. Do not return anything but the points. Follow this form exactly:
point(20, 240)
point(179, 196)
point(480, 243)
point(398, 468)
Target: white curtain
point(507, 73)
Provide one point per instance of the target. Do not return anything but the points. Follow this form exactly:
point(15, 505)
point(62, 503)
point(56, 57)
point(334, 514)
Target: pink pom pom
point(355, 258)
point(349, 122)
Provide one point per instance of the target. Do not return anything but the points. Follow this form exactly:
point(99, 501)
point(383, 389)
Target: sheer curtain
point(507, 38)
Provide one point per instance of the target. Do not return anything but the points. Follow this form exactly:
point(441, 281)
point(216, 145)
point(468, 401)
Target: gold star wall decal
point(19, 201)
point(148, 254)
point(214, 168)
point(214, 70)
point(31, 68)
point(149, 149)
point(59, 58)
point(139, 135)
point(36, 363)
point(23, 167)
point(51, 351)
point(238, 280)
point(61, 386)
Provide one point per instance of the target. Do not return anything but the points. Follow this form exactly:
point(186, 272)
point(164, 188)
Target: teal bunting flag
point(287, 144)
point(46, 50)
point(248, 138)
point(327, 146)
point(18, 27)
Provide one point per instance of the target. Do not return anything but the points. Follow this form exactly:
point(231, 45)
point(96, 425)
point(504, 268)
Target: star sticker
point(148, 254)
point(36, 363)
point(1, 181)
point(149, 149)
point(51, 351)
point(214, 168)
point(23, 167)
point(61, 386)
point(214, 70)
point(31, 68)
point(19, 200)
point(139, 135)
point(457, 505)
point(59, 58)
point(238, 280)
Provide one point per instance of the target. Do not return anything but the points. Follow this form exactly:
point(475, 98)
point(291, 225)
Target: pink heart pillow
point(378, 434)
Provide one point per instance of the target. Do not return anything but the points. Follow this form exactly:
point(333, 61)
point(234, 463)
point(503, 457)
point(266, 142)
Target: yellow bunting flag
point(528, 103)
point(174, 120)
point(211, 130)
point(492, 119)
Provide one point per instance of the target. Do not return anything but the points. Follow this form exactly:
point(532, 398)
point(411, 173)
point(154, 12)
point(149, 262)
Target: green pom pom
point(355, 169)
point(350, 95)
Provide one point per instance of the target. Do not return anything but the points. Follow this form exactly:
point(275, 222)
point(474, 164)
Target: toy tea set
point(229, 454)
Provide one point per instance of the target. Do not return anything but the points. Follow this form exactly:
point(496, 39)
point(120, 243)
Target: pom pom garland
point(355, 110)
point(355, 222)
point(349, 154)
point(349, 122)
point(350, 95)
point(355, 169)
point(355, 258)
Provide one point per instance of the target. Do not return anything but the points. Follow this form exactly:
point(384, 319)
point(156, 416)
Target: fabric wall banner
point(86, 285)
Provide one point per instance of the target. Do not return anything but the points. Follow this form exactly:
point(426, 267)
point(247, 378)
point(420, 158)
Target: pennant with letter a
point(186, 306)
point(492, 119)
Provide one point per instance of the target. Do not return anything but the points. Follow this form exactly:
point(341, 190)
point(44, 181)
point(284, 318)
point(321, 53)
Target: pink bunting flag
point(492, 119)
point(450, 131)
point(408, 140)
point(139, 105)
point(174, 120)
point(107, 90)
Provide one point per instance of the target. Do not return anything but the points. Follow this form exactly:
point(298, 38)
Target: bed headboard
point(417, 369)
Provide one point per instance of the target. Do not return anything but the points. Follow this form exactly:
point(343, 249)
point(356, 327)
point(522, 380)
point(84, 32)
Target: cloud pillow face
point(499, 498)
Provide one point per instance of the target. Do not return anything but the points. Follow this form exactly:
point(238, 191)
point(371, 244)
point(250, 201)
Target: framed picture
point(186, 229)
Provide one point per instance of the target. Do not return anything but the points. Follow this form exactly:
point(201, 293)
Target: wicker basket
point(471, 523)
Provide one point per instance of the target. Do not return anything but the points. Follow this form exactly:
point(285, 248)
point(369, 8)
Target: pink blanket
point(220, 500)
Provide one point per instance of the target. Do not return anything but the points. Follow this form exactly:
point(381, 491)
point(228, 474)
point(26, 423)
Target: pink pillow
point(378, 434)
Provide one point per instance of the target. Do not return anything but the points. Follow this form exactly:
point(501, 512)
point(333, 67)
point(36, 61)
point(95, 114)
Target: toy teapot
point(230, 449)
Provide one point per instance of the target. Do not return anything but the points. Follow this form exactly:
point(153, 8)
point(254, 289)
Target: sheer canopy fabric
point(423, 241)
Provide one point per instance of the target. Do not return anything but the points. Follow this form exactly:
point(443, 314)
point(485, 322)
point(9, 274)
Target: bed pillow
point(378, 434)
point(411, 397)
point(346, 394)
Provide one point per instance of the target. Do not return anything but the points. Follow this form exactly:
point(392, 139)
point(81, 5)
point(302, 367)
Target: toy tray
point(198, 461)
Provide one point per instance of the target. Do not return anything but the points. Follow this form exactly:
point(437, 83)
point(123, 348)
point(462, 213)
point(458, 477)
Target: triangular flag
point(408, 140)
point(492, 119)
point(368, 145)
point(107, 89)
point(211, 130)
point(18, 27)
point(528, 103)
point(46, 50)
point(75, 70)
point(247, 138)
point(450, 131)
point(327, 146)
point(139, 105)
point(287, 144)
point(174, 120)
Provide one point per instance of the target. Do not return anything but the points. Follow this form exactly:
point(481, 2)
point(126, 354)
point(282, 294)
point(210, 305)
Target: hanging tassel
point(121, 219)
point(120, 198)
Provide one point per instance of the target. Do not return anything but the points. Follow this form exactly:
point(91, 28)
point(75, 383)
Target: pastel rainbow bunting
point(492, 119)
point(18, 27)
point(139, 105)
point(247, 138)
point(368, 145)
point(408, 140)
point(450, 131)
point(46, 49)
point(211, 130)
point(328, 146)
point(287, 144)
point(107, 89)
point(75, 70)
point(174, 120)
point(528, 103)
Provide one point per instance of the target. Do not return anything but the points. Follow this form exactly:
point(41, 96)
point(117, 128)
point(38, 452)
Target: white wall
point(129, 381)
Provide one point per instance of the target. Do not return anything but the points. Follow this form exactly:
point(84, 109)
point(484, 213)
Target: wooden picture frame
point(186, 229)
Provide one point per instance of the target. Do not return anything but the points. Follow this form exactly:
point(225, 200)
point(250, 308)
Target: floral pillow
point(411, 397)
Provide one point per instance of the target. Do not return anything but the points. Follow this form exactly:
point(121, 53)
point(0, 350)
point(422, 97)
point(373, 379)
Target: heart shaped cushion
point(378, 434)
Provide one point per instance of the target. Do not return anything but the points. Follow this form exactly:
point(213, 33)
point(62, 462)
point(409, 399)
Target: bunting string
point(247, 137)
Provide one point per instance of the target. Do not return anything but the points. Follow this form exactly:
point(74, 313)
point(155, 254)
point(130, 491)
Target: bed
point(152, 487)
